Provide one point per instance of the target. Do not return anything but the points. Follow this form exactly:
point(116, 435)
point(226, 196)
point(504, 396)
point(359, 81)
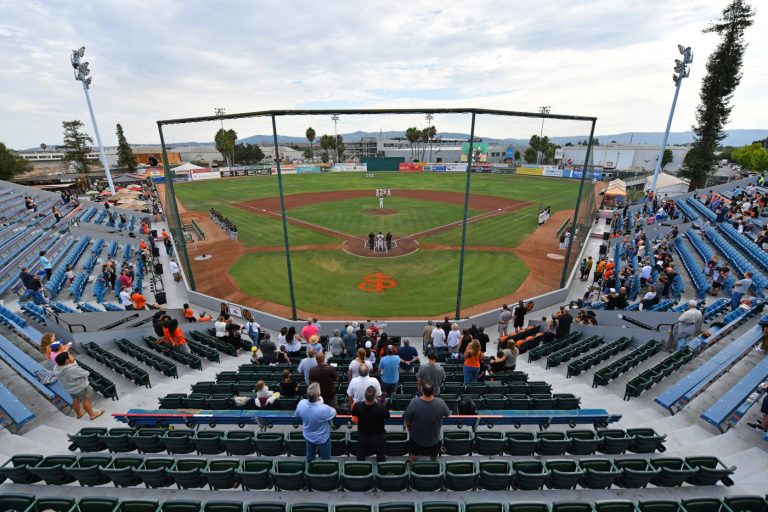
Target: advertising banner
point(552, 171)
point(482, 167)
point(204, 174)
point(456, 167)
point(411, 167)
point(559, 153)
point(303, 169)
point(591, 174)
point(350, 168)
point(509, 153)
point(285, 169)
point(530, 171)
point(246, 170)
point(479, 151)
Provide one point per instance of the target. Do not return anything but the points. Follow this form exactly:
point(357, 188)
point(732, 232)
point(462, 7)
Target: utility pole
point(335, 118)
point(542, 110)
point(429, 134)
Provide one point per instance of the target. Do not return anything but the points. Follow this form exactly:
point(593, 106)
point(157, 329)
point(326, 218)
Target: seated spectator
point(505, 360)
point(189, 315)
point(139, 301)
point(204, 317)
point(174, 336)
point(314, 343)
point(282, 356)
point(264, 396)
point(288, 386)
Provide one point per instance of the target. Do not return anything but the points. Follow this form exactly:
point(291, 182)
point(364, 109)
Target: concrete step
point(687, 436)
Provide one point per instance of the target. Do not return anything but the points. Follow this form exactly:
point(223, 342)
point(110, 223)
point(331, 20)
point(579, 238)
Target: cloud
point(155, 61)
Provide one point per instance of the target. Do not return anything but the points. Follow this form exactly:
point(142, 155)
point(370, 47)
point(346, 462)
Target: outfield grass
point(352, 216)
point(254, 230)
point(326, 283)
point(506, 230)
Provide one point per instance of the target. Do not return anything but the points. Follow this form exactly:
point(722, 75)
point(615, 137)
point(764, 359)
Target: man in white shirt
point(175, 271)
point(358, 385)
point(689, 325)
point(645, 274)
point(125, 299)
point(438, 338)
point(740, 287)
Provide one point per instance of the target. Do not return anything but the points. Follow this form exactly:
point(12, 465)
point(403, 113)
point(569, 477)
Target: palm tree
point(427, 134)
point(310, 134)
point(412, 134)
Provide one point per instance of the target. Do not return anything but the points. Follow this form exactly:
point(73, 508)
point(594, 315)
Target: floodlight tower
point(219, 111)
point(335, 118)
point(682, 70)
point(81, 74)
point(429, 117)
point(542, 110)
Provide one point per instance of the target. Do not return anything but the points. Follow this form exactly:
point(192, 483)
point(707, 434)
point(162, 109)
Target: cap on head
point(56, 345)
point(613, 290)
point(368, 344)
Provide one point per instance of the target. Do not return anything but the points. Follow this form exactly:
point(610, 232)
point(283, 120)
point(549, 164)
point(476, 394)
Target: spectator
point(33, 286)
point(204, 317)
point(431, 373)
point(408, 356)
point(426, 335)
point(288, 387)
point(174, 336)
point(189, 315)
point(45, 264)
point(371, 417)
point(125, 299)
point(326, 376)
point(282, 356)
point(336, 345)
point(472, 358)
point(75, 381)
point(649, 299)
point(740, 287)
point(268, 350)
point(253, 330)
point(453, 339)
point(550, 328)
point(292, 342)
point(358, 385)
point(763, 425)
point(264, 396)
point(56, 348)
point(220, 327)
point(506, 359)
point(233, 334)
point(314, 343)
point(157, 325)
point(438, 338)
point(175, 271)
point(349, 339)
point(564, 321)
point(519, 314)
point(307, 364)
point(314, 416)
point(424, 419)
point(138, 300)
point(360, 360)
point(504, 317)
point(309, 330)
point(389, 366)
point(688, 326)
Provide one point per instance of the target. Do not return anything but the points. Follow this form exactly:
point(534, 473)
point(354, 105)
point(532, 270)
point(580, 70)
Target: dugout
point(383, 163)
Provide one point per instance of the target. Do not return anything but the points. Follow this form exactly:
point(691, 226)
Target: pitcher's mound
point(381, 211)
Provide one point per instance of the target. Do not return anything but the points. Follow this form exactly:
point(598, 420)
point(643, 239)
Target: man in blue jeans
point(389, 366)
point(740, 287)
point(314, 416)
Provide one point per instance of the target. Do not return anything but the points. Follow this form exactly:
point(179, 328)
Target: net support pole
point(470, 155)
point(177, 232)
point(564, 276)
point(285, 222)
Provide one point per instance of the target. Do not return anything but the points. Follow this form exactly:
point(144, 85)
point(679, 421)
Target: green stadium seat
point(295, 443)
point(404, 506)
point(458, 442)
point(583, 442)
point(551, 443)
point(56, 504)
point(357, 476)
point(746, 503)
point(397, 444)
point(615, 506)
point(440, 506)
point(519, 402)
point(703, 505)
point(460, 475)
point(634, 473)
point(598, 473)
point(87, 470)
point(521, 443)
point(658, 506)
point(322, 475)
point(51, 469)
point(310, 507)
point(267, 506)
point(181, 506)
point(353, 507)
point(177, 441)
point(223, 506)
point(220, 473)
point(646, 440)
point(154, 472)
point(255, 474)
point(187, 473)
point(489, 442)
point(527, 507)
point(392, 476)
point(673, 472)
point(16, 502)
point(338, 443)
point(121, 471)
point(87, 439)
point(139, 506)
point(147, 440)
point(426, 475)
point(239, 442)
point(16, 469)
point(563, 474)
point(709, 471)
point(483, 507)
point(572, 506)
point(615, 441)
point(118, 440)
point(529, 475)
point(270, 444)
point(288, 475)
point(98, 504)
point(494, 475)
point(208, 442)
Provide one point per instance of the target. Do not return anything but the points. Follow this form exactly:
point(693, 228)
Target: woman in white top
point(454, 336)
point(281, 337)
point(292, 341)
point(221, 327)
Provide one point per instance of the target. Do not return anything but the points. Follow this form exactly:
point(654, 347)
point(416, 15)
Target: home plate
point(555, 256)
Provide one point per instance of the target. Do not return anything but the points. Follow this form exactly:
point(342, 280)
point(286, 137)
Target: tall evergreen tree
point(723, 76)
point(11, 164)
point(76, 145)
point(125, 157)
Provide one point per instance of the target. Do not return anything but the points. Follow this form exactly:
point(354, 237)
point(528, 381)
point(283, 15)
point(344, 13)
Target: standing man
point(564, 320)
point(175, 272)
point(587, 269)
point(358, 385)
point(740, 287)
point(45, 264)
point(426, 335)
point(389, 366)
point(370, 426)
point(688, 326)
point(519, 315)
point(371, 237)
point(424, 419)
point(431, 373)
point(381, 200)
point(389, 240)
point(504, 317)
point(309, 330)
point(438, 338)
point(314, 416)
point(408, 355)
point(306, 364)
point(325, 376)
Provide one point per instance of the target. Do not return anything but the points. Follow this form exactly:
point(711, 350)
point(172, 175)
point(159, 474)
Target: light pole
point(335, 118)
point(542, 110)
point(681, 71)
point(429, 117)
point(220, 111)
point(81, 74)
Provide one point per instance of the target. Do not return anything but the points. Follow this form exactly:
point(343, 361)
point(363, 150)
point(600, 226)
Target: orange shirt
point(474, 362)
point(175, 339)
point(205, 318)
point(188, 313)
point(139, 301)
point(165, 235)
point(143, 245)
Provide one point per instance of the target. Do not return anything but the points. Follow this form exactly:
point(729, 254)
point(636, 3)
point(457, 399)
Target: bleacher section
point(13, 413)
point(726, 411)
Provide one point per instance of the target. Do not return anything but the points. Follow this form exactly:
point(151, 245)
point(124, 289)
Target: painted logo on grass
point(376, 282)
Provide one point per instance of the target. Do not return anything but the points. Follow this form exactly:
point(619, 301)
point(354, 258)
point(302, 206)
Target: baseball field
point(336, 274)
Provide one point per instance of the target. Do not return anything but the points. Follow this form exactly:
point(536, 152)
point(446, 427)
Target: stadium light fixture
point(682, 70)
point(429, 118)
point(542, 110)
point(82, 71)
point(335, 118)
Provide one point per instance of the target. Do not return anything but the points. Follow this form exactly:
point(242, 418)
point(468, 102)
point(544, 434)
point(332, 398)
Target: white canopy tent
point(667, 184)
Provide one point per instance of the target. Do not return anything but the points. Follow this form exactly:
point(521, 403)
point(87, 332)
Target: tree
point(125, 158)
point(324, 157)
point(76, 145)
point(307, 154)
point(248, 153)
point(412, 135)
point(338, 146)
point(517, 155)
point(753, 157)
point(310, 134)
point(568, 144)
point(530, 155)
point(666, 157)
point(43, 146)
point(225, 143)
point(326, 144)
point(426, 135)
point(544, 146)
point(722, 78)
point(11, 164)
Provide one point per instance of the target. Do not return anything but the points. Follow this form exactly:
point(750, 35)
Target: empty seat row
point(658, 372)
point(160, 364)
point(185, 358)
point(598, 356)
point(554, 345)
point(214, 342)
point(607, 373)
point(129, 370)
point(331, 475)
point(700, 281)
point(456, 442)
point(100, 383)
point(28, 503)
point(574, 349)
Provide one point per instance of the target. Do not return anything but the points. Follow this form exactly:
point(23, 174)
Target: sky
point(153, 60)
